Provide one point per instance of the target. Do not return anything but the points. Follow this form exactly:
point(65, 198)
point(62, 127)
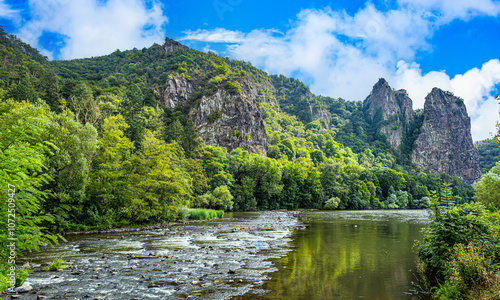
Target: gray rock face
point(236, 120)
point(176, 91)
point(172, 46)
point(445, 142)
point(224, 119)
point(389, 110)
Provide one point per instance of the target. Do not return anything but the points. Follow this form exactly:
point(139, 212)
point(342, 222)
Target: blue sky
point(338, 48)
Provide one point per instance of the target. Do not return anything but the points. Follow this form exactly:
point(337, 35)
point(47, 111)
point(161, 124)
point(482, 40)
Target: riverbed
point(251, 255)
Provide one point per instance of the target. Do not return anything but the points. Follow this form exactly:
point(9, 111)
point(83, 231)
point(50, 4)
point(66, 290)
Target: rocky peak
point(388, 110)
point(381, 99)
point(172, 46)
point(445, 142)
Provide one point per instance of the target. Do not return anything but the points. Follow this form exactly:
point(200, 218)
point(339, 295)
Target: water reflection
point(349, 255)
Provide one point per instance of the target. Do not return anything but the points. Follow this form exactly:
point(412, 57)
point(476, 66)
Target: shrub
point(332, 203)
point(442, 253)
point(233, 87)
point(214, 116)
point(183, 213)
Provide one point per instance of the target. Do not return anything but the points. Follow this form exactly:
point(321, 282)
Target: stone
point(445, 142)
point(389, 111)
point(172, 46)
point(23, 289)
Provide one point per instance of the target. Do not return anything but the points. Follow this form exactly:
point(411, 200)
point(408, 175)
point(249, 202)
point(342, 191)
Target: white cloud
point(447, 10)
point(93, 28)
point(475, 87)
point(343, 55)
point(6, 12)
point(218, 35)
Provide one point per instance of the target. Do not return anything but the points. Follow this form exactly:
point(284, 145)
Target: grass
point(205, 214)
point(55, 265)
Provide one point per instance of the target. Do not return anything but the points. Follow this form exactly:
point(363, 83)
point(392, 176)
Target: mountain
point(151, 130)
point(445, 142)
point(390, 112)
point(442, 143)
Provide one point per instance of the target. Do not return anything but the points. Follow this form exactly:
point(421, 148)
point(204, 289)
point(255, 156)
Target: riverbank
point(218, 259)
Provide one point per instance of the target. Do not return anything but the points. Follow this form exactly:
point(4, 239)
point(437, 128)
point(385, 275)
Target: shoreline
point(165, 225)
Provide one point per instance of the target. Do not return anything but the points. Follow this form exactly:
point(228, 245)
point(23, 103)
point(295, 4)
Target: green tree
point(223, 198)
point(160, 182)
point(110, 185)
point(22, 175)
point(69, 165)
point(488, 188)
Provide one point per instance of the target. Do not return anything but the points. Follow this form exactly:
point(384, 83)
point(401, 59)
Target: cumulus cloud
point(342, 55)
point(447, 10)
point(93, 27)
point(218, 35)
point(474, 87)
point(6, 12)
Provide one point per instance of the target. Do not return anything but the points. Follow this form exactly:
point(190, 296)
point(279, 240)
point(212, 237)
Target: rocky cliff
point(233, 120)
point(224, 119)
point(445, 142)
point(389, 111)
point(171, 46)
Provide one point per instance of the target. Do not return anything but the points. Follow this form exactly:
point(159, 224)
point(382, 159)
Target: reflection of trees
point(338, 260)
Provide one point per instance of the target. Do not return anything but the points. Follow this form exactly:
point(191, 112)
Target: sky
point(338, 48)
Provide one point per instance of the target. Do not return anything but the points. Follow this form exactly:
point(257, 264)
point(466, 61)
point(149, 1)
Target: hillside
point(140, 134)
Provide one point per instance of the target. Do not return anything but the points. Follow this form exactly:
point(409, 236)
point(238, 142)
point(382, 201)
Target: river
point(265, 255)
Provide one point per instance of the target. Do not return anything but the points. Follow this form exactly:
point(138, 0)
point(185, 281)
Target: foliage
point(55, 265)
point(22, 176)
point(332, 203)
point(489, 153)
point(443, 258)
point(205, 214)
point(488, 188)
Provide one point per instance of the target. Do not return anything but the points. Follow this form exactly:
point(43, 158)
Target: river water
point(265, 255)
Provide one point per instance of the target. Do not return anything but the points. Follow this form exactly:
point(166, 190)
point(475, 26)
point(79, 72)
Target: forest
point(87, 144)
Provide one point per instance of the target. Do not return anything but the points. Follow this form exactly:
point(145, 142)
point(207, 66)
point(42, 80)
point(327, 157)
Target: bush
point(445, 263)
point(183, 213)
point(332, 203)
point(468, 275)
point(233, 87)
point(214, 116)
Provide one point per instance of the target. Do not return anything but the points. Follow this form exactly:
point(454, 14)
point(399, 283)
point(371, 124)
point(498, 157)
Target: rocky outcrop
point(172, 46)
point(445, 142)
point(233, 120)
point(225, 119)
point(389, 111)
point(405, 105)
point(177, 90)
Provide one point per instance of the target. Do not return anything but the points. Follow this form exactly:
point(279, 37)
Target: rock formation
point(390, 111)
point(222, 119)
point(172, 46)
point(176, 91)
point(445, 142)
point(233, 120)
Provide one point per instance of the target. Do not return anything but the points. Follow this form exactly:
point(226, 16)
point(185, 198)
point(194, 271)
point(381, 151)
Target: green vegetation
point(205, 214)
point(489, 154)
point(57, 264)
point(88, 144)
point(460, 253)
